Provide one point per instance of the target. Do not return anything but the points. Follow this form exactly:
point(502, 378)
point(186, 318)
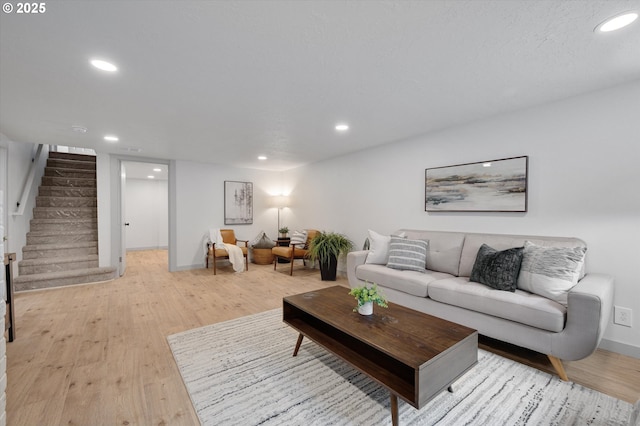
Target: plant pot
point(366, 309)
point(329, 268)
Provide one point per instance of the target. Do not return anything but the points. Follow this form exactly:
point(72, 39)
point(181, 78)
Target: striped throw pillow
point(299, 237)
point(405, 254)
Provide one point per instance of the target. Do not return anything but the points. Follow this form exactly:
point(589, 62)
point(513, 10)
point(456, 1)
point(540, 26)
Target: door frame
point(117, 214)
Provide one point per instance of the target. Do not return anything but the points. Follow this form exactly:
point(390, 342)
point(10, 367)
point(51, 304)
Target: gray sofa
point(562, 331)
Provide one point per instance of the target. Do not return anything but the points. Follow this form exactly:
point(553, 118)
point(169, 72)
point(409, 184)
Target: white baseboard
point(621, 348)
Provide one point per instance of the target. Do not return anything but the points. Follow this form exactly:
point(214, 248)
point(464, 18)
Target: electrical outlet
point(622, 316)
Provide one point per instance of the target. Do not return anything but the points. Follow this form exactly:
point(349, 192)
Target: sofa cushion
point(550, 271)
point(497, 269)
point(519, 306)
point(411, 282)
point(443, 253)
point(472, 243)
point(407, 255)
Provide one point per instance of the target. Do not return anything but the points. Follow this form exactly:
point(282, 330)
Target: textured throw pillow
point(378, 248)
point(550, 271)
point(299, 237)
point(407, 254)
point(497, 269)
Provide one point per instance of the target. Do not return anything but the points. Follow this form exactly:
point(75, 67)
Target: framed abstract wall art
point(238, 203)
point(486, 186)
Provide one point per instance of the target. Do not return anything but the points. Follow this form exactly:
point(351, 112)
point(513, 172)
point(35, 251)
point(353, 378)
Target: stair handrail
point(26, 190)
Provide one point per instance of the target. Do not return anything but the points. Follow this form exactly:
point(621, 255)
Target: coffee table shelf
point(390, 373)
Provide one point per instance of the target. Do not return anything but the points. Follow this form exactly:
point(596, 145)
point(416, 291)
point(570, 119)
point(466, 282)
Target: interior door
point(123, 222)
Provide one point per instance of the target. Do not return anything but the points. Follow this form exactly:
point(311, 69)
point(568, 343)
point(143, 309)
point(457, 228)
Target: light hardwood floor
point(97, 354)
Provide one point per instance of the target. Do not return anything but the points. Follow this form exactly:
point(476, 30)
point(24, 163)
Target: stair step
point(59, 250)
point(63, 278)
point(69, 156)
point(61, 191)
point(73, 173)
point(64, 212)
point(46, 201)
point(41, 266)
point(63, 224)
point(55, 237)
point(68, 182)
point(71, 164)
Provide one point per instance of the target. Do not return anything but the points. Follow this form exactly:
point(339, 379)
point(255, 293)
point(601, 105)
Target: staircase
point(62, 245)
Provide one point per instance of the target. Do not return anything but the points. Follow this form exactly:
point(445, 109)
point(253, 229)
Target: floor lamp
point(280, 202)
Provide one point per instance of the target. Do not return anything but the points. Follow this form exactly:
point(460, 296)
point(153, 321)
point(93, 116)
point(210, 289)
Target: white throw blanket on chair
point(235, 253)
point(235, 256)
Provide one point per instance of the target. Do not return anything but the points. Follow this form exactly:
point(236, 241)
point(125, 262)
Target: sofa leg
point(291, 261)
point(557, 364)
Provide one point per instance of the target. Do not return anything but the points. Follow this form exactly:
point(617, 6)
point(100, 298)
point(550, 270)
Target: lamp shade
point(280, 201)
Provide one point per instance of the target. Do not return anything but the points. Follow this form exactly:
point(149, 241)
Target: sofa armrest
point(355, 259)
point(588, 313)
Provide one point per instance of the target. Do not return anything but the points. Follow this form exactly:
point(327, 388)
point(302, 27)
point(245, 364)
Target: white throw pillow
point(378, 248)
point(550, 271)
point(299, 237)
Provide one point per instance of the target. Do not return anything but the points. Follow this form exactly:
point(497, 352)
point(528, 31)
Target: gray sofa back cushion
point(443, 251)
point(473, 242)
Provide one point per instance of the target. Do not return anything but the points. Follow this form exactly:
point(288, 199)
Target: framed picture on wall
point(238, 203)
point(486, 186)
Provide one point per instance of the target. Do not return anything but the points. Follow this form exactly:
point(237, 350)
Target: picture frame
point(238, 203)
point(486, 186)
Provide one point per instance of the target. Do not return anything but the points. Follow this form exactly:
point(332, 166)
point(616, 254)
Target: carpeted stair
point(62, 245)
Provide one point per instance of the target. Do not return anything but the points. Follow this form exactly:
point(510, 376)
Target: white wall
point(3, 306)
point(103, 191)
point(20, 156)
point(146, 211)
point(200, 206)
point(584, 157)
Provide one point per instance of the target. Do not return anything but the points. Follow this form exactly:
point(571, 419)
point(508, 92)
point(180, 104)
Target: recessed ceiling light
point(342, 127)
point(617, 22)
point(157, 170)
point(486, 165)
point(79, 129)
point(151, 177)
point(262, 157)
point(111, 138)
point(103, 65)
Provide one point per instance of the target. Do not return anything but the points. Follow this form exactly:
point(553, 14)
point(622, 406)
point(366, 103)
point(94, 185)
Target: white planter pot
point(366, 309)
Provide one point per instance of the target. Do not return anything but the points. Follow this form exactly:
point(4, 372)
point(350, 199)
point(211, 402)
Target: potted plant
point(326, 247)
point(366, 297)
point(283, 231)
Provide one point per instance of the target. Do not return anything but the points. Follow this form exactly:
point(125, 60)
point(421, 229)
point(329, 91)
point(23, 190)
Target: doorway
point(142, 212)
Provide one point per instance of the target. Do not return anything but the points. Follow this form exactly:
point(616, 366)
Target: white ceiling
point(226, 81)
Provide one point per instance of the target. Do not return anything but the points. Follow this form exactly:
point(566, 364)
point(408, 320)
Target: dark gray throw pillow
point(497, 269)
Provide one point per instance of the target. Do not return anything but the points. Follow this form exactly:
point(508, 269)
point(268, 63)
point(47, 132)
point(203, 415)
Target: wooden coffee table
point(414, 355)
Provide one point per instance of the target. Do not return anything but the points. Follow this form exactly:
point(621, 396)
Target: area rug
point(242, 372)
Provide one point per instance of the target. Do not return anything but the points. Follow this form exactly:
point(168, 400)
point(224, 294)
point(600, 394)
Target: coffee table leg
point(394, 410)
point(298, 343)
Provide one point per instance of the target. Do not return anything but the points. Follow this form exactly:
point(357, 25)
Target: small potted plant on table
point(366, 297)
